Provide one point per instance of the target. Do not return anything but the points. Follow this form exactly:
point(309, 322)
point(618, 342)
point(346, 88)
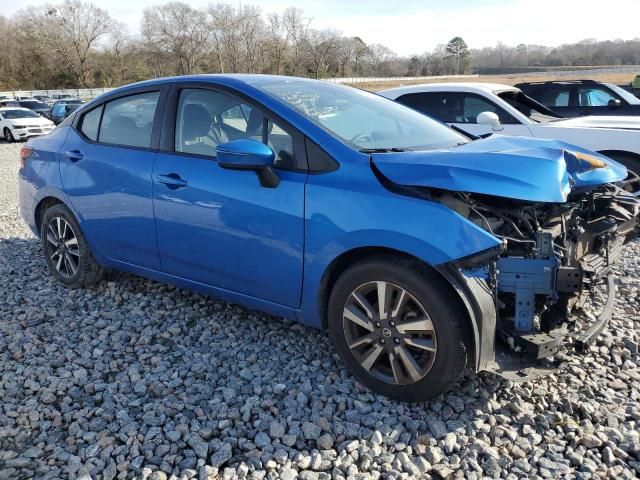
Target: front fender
point(368, 216)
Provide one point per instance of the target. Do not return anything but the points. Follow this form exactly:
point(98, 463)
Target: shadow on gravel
point(135, 373)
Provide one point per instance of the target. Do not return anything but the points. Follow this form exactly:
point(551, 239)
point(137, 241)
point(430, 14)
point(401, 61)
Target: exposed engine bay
point(554, 257)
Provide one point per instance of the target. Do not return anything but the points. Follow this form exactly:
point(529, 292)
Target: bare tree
point(296, 26)
point(322, 47)
point(276, 43)
point(72, 30)
point(178, 30)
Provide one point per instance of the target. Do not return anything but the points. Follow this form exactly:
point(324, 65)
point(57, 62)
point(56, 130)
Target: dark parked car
point(577, 98)
point(42, 98)
point(9, 103)
point(62, 109)
point(39, 107)
point(418, 248)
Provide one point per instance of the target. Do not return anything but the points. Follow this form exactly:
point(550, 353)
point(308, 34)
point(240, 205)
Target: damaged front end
point(556, 256)
point(557, 251)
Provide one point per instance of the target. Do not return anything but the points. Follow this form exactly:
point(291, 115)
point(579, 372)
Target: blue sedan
point(416, 247)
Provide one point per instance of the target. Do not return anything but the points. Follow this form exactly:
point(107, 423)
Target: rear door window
point(128, 121)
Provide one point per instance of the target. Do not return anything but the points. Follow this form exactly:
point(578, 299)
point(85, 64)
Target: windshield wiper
point(385, 150)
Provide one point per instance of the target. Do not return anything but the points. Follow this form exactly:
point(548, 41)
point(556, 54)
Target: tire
point(393, 374)
point(8, 135)
point(69, 261)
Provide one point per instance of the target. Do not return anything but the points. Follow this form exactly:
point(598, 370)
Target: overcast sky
point(415, 26)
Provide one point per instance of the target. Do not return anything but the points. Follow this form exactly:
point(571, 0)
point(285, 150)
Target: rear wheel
point(8, 135)
point(65, 249)
point(398, 328)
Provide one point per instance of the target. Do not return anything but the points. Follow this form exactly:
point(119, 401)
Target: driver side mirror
point(491, 119)
point(249, 155)
point(614, 103)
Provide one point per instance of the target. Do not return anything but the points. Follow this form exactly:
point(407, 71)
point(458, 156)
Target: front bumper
point(535, 361)
point(24, 133)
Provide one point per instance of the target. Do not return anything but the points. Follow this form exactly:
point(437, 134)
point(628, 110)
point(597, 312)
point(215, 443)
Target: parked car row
point(421, 247)
point(25, 118)
point(578, 98)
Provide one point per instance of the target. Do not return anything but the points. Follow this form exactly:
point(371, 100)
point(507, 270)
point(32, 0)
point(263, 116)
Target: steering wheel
point(362, 136)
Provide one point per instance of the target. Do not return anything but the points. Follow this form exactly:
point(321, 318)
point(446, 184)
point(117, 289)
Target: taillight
point(25, 152)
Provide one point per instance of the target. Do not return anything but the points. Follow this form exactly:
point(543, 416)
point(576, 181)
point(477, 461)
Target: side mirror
point(249, 155)
point(491, 119)
point(614, 103)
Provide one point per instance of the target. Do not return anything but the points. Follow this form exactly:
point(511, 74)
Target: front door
point(220, 227)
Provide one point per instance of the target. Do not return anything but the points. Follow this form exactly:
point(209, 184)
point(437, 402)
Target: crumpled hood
point(511, 167)
point(595, 121)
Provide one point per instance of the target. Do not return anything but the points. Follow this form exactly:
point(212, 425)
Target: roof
point(2, 109)
point(561, 82)
point(248, 78)
point(477, 87)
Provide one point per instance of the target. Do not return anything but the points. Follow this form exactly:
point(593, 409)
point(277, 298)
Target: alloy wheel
point(389, 333)
point(62, 246)
point(8, 136)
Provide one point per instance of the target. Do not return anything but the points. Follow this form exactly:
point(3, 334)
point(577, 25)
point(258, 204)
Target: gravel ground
point(134, 378)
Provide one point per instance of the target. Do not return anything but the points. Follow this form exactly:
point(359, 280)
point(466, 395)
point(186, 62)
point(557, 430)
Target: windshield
point(630, 98)
point(13, 114)
point(535, 111)
point(362, 119)
point(71, 107)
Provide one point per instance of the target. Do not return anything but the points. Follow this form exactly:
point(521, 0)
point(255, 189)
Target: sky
point(413, 26)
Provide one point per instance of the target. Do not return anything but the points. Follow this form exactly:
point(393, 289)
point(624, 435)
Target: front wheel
point(398, 328)
point(8, 135)
point(66, 251)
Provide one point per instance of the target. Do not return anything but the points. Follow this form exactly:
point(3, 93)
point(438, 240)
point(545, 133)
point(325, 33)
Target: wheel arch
point(42, 206)
point(474, 300)
point(630, 157)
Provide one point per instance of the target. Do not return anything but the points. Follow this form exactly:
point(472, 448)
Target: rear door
point(106, 166)
point(220, 227)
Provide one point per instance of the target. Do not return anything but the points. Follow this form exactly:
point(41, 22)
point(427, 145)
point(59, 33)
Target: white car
point(21, 123)
point(485, 108)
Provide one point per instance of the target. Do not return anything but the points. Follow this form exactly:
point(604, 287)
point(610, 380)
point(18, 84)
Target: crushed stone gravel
point(137, 379)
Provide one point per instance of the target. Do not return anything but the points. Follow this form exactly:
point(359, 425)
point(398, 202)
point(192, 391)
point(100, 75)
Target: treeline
point(76, 44)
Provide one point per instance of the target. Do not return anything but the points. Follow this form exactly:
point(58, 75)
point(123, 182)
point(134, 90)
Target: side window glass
point(594, 97)
point(433, 104)
point(281, 143)
point(91, 122)
point(467, 107)
point(242, 121)
point(206, 119)
point(129, 120)
point(555, 98)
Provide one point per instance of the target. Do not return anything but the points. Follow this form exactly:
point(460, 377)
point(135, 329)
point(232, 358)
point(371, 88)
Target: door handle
point(172, 180)
point(74, 155)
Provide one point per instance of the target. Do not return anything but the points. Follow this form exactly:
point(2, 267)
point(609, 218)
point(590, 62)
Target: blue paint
point(186, 220)
point(515, 167)
point(245, 154)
